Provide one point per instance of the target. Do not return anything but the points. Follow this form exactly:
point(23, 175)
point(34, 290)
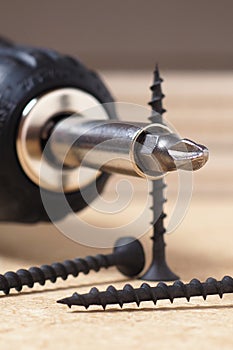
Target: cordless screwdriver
point(44, 100)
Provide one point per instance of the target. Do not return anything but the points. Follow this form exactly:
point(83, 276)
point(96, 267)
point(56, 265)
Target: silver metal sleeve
point(104, 145)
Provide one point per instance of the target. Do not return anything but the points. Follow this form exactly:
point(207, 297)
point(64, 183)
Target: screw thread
point(159, 185)
point(51, 272)
point(156, 104)
point(158, 269)
point(147, 293)
point(156, 101)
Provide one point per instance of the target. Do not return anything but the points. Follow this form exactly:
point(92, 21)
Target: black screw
point(147, 293)
point(158, 270)
point(128, 257)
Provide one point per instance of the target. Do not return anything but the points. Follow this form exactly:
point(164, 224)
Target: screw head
point(130, 256)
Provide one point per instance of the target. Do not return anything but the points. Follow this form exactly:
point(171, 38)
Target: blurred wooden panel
point(130, 34)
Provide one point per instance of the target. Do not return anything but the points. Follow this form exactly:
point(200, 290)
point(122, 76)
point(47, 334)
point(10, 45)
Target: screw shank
point(147, 293)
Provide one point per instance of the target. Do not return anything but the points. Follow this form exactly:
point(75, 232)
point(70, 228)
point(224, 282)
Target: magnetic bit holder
point(136, 149)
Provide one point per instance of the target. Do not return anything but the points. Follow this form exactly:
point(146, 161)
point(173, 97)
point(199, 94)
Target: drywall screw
point(128, 257)
point(147, 293)
point(158, 270)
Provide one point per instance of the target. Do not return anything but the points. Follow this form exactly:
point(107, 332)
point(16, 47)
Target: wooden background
point(200, 107)
point(128, 35)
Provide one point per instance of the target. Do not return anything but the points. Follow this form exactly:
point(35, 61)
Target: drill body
point(25, 74)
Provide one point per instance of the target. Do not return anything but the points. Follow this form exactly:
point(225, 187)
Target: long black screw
point(147, 293)
point(158, 270)
point(128, 257)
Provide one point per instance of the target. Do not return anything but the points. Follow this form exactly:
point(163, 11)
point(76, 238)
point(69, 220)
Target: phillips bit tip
point(187, 155)
point(165, 153)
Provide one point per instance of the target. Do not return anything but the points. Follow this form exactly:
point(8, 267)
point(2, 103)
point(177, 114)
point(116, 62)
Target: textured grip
point(27, 73)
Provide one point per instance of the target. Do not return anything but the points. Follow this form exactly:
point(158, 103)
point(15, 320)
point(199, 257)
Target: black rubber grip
point(25, 73)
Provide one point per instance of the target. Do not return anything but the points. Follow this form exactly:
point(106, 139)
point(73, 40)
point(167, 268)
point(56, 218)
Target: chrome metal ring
point(28, 144)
